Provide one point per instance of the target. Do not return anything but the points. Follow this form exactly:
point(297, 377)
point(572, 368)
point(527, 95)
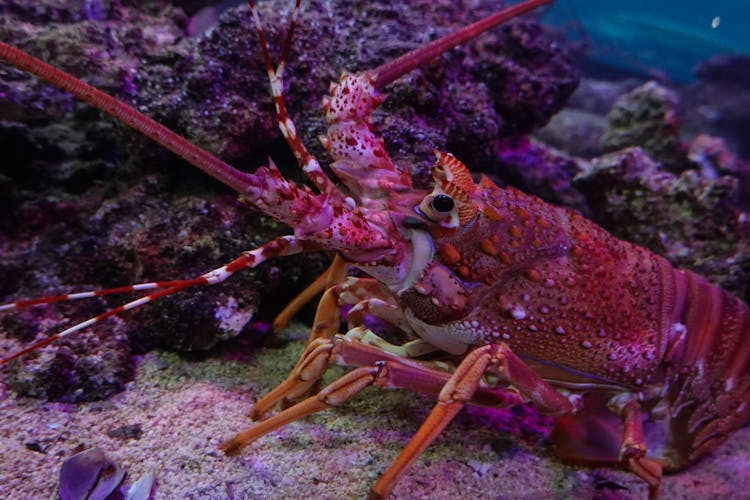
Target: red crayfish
point(503, 298)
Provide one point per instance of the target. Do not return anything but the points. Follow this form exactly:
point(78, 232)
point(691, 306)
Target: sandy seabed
point(187, 408)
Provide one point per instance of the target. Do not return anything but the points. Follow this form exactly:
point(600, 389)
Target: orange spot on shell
point(543, 223)
point(463, 271)
point(523, 214)
point(492, 214)
point(576, 251)
point(488, 247)
point(505, 258)
point(449, 253)
point(533, 275)
point(515, 231)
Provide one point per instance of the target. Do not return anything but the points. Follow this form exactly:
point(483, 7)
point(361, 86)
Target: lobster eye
point(441, 209)
point(442, 203)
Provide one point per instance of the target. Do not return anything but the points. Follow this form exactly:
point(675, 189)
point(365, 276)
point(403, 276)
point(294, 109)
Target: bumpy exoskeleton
point(593, 315)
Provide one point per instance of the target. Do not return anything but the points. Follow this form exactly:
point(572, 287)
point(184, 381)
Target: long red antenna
point(390, 71)
point(149, 127)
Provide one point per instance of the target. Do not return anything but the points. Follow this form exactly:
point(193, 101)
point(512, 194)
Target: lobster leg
point(380, 368)
point(317, 357)
point(376, 368)
point(608, 431)
point(331, 277)
point(372, 298)
point(369, 296)
point(337, 393)
point(302, 380)
point(633, 448)
point(411, 349)
point(460, 389)
point(293, 307)
point(308, 370)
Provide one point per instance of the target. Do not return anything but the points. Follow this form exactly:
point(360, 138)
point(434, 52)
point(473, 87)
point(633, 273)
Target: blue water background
point(656, 38)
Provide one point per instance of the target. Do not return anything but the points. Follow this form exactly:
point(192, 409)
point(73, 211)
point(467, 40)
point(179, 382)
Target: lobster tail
point(708, 375)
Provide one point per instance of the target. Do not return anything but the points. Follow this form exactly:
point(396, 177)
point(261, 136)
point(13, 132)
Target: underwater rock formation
point(646, 117)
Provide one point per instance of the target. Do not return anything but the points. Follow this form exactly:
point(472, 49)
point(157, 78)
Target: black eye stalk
point(442, 203)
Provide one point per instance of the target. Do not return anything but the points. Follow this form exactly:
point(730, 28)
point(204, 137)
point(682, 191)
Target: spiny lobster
point(524, 301)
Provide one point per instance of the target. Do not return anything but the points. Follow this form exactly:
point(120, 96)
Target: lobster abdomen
point(707, 384)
